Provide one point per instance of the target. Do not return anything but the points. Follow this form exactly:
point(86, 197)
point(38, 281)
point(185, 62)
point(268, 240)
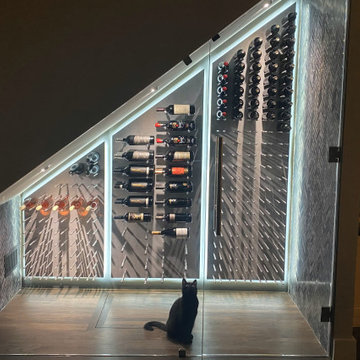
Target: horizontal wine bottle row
point(146, 185)
point(147, 201)
point(133, 170)
point(146, 217)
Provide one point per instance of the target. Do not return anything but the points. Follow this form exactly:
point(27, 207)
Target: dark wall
point(66, 64)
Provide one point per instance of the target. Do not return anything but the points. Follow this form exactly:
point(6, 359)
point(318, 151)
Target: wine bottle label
point(139, 201)
point(182, 155)
point(141, 155)
point(181, 109)
point(139, 185)
point(179, 171)
point(135, 217)
point(181, 232)
point(141, 140)
point(172, 217)
point(140, 170)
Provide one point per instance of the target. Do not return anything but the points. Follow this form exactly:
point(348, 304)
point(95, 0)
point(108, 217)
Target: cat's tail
point(151, 324)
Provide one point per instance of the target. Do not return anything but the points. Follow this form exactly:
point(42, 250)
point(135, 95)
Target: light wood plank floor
point(86, 323)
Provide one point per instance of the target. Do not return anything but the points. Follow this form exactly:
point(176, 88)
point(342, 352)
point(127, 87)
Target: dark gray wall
point(9, 242)
point(65, 65)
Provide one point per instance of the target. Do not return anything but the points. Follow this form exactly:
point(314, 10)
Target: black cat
point(181, 316)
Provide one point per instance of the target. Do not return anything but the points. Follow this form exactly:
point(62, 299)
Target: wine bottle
point(61, 204)
point(76, 204)
point(287, 42)
point(239, 67)
point(173, 232)
point(93, 170)
point(274, 54)
point(238, 90)
point(258, 42)
point(273, 79)
point(173, 217)
point(141, 185)
point(275, 29)
point(134, 217)
point(253, 115)
point(237, 102)
point(240, 54)
point(77, 168)
point(285, 103)
point(285, 115)
point(136, 155)
point(271, 115)
point(223, 67)
point(238, 79)
point(273, 67)
point(283, 126)
point(28, 204)
point(287, 79)
point(271, 104)
point(255, 79)
point(253, 103)
point(177, 109)
point(136, 170)
point(272, 91)
point(286, 91)
point(175, 186)
point(137, 140)
point(291, 16)
point(178, 140)
point(177, 156)
point(174, 171)
point(175, 202)
point(93, 157)
point(237, 113)
point(256, 66)
point(256, 54)
point(275, 41)
point(254, 91)
point(141, 201)
point(45, 204)
point(222, 79)
point(221, 90)
point(177, 125)
point(221, 115)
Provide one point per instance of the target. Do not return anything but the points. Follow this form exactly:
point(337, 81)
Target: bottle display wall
point(156, 179)
point(251, 112)
point(156, 189)
point(64, 222)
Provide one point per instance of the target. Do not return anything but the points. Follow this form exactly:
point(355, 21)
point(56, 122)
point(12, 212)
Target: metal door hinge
point(335, 154)
point(327, 314)
point(215, 37)
point(187, 60)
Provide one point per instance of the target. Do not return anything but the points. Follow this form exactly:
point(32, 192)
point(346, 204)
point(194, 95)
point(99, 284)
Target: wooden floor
point(90, 324)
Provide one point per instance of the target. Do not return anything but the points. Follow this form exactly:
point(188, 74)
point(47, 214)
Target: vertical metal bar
point(219, 162)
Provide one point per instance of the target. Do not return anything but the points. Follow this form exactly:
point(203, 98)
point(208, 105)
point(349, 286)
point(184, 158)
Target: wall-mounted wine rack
point(250, 127)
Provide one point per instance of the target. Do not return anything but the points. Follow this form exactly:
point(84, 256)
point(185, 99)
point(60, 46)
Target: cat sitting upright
point(181, 316)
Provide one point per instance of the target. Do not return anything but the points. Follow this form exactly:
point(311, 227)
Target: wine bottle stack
point(222, 90)
point(238, 85)
point(174, 170)
point(280, 65)
point(254, 79)
point(136, 177)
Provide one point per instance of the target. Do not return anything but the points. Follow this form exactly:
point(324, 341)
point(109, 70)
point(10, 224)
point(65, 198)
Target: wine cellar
point(205, 175)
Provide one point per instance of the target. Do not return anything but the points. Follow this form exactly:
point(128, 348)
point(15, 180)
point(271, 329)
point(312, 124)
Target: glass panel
point(157, 173)
point(64, 223)
point(251, 128)
point(315, 181)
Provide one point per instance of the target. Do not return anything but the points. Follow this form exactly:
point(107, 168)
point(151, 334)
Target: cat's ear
point(194, 283)
point(184, 282)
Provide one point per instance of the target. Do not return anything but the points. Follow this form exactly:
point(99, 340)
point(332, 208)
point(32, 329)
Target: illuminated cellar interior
point(211, 173)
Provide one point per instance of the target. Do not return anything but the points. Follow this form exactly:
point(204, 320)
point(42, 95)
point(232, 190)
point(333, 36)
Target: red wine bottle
point(178, 140)
point(136, 170)
point(175, 202)
point(136, 155)
point(177, 125)
point(173, 217)
point(141, 201)
point(177, 109)
point(141, 185)
point(173, 232)
point(174, 171)
point(134, 217)
point(175, 186)
point(138, 140)
point(223, 67)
